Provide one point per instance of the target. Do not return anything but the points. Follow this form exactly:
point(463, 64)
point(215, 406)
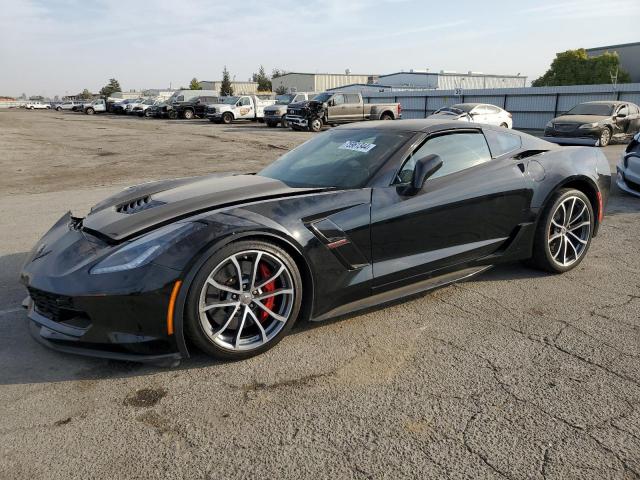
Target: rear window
point(502, 143)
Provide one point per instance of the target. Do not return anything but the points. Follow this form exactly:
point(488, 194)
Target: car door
point(353, 110)
point(634, 119)
point(493, 116)
point(337, 109)
point(244, 108)
point(621, 119)
point(468, 209)
point(479, 114)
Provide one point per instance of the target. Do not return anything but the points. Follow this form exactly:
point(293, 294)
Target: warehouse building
point(629, 54)
point(444, 80)
point(318, 82)
point(238, 87)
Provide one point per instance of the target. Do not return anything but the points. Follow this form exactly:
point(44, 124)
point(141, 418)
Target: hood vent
point(137, 205)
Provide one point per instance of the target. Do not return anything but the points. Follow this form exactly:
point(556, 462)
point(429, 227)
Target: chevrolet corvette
point(359, 216)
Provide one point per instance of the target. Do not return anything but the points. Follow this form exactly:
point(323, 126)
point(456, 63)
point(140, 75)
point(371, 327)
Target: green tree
point(575, 67)
point(264, 82)
point(86, 94)
point(110, 88)
point(226, 88)
point(195, 84)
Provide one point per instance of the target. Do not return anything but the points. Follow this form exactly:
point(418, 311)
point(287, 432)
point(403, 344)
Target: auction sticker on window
point(357, 146)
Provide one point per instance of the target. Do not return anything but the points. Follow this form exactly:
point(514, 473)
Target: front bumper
point(577, 136)
point(297, 121)
point(123, 315)
point(628, 180)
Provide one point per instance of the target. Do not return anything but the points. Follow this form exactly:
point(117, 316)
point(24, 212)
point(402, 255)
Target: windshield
point(149, 102)
point(451, 110)
point(338, 158)
point(284, 99)
point(601, 109)
point(323, 97)
point(229, 100)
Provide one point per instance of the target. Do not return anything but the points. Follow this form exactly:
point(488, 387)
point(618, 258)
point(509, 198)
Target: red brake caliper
point(265, 272)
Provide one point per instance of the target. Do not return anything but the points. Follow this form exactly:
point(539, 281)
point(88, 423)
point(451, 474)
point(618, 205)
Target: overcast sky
point(50, 47)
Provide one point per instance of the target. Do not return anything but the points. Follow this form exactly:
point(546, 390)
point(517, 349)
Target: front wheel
point(89, 111)
point(243, 300)
point(315, 125)
point(58, 109)
point(188, 114)
point(564, 232)
point(284, 122)
point(605, 137)
point(227, 118)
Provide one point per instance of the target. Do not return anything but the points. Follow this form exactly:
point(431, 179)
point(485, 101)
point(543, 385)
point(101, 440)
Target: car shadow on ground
point(25, 361)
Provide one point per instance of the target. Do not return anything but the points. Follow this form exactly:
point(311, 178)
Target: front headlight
point(143, 250)
point(549, 125)
point(589, 125)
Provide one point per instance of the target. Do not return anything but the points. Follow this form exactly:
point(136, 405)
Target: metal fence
point(531, 107)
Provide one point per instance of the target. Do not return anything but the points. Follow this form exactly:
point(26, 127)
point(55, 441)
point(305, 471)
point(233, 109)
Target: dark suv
point(195, 107)
point(594, 123)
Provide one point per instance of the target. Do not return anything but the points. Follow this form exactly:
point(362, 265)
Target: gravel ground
point(516, 374)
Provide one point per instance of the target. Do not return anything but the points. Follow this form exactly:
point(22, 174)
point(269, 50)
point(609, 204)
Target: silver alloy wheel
point(246, 300)
point(569, 231)
point(605, 137)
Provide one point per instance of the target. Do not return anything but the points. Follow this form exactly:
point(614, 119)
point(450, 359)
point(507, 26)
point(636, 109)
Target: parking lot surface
point(515, 374)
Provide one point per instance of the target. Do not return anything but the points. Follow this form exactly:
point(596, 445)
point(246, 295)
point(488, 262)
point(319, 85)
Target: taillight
point(399, 108)
point(510, 116)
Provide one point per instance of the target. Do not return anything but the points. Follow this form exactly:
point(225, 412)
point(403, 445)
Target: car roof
point(418, 125)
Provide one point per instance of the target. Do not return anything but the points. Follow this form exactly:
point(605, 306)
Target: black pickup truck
point(194, 107)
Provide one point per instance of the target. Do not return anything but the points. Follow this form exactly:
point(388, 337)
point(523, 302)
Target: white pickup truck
point(34, 105)
point(97, 106)
point(240, 107)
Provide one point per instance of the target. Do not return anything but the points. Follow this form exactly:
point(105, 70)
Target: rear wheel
point(605, 137)
point(504, 125)
point(243, 300)
point(188, 114)
point(89, 111)
point(58, 109)
point(386, 116)
point(564, 232)
point(227, 118)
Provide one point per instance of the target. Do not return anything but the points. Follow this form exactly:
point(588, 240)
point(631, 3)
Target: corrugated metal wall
point(326, 81)
point(531, 107)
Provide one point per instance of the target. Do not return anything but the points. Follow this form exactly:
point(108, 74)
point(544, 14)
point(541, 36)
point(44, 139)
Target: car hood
point(580, 119)
point(144, 207)
point(448, 115)
point(276, 108)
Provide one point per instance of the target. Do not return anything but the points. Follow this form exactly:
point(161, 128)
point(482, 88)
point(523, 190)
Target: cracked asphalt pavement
point(516, 374)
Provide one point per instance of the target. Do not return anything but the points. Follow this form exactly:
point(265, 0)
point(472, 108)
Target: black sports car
point(594, 123)
point(358, 216)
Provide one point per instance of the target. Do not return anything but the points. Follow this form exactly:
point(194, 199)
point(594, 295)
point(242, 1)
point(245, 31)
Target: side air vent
point(137, 205)
point(529, 153)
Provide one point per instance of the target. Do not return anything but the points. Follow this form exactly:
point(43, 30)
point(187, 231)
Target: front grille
point(55, 307)
point(138, 205)
point(292, 111)
point(632, 185)
point(211, 110)
point(565, 127)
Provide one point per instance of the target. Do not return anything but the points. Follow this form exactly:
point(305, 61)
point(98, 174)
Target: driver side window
point(458, 152)
point(624, 110)
point(338, 99)
point(245, 101)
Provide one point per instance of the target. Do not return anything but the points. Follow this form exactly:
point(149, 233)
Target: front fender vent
point(137, 205)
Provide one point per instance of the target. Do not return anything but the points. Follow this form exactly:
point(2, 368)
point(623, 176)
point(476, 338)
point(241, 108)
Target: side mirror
point(621, 115)
point(424, 168)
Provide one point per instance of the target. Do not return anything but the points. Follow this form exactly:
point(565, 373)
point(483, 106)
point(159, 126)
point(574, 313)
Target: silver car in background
point(476, 113)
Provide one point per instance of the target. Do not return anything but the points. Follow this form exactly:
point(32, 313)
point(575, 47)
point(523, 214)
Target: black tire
point(284, 122)
point(543, 257)
point(386, 116)
point(605, 137)
point(504, 125)
point(172, 115)
point(188, 114)
point(58, 109)
point(227, 118)
point(194, 328)
point(89, 111)
point(315, 125)
point(271, 124)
